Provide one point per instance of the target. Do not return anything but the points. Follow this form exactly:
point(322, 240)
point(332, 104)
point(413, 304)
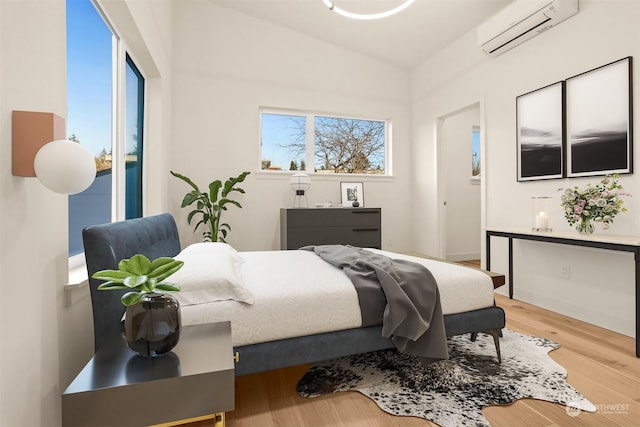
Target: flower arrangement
point(598, 203)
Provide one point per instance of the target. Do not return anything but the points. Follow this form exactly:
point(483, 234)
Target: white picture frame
point(352, 194)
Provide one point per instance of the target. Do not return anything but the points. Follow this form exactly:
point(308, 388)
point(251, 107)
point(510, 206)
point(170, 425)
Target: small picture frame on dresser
point(352, 194)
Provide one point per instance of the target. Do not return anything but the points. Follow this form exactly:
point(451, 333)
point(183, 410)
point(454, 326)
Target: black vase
point(152, 326)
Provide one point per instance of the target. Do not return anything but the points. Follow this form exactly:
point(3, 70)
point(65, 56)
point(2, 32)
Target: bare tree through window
point(349, 145)
point(340, 145)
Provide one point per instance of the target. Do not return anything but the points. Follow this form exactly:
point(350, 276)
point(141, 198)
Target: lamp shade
point(65, 167)
point(300, 182)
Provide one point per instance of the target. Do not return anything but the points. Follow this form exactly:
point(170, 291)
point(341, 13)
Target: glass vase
point(541, 216)
point(584, 226)
point(152, 326)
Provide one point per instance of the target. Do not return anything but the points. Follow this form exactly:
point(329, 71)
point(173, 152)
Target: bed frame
point(105, 245)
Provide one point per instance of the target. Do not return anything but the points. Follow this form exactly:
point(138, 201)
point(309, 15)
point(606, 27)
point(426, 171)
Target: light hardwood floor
point(473, 263)
point(600, 364)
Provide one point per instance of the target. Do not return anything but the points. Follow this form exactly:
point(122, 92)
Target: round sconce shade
point(300, 182)
point(65, 167)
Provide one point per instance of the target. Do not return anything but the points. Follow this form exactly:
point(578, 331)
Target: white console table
point(614, 243)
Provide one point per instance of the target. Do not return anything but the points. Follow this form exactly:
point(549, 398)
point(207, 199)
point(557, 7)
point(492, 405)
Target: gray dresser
point(330, 226)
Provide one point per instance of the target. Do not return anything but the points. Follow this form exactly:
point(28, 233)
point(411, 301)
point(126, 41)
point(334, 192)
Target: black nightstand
point(119, 388)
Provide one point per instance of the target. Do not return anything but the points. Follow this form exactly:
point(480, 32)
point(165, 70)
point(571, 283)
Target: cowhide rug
point(451, 392)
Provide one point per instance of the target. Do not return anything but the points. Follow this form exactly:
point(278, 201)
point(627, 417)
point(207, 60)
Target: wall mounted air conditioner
point(522, 20)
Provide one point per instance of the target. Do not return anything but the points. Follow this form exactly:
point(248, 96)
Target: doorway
point(459, 190)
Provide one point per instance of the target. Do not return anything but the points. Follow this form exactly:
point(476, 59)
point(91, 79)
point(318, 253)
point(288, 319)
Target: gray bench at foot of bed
point(105, 245)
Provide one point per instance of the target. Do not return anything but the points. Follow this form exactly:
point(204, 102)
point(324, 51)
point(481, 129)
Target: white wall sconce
point(300, 182)
point(39, 149)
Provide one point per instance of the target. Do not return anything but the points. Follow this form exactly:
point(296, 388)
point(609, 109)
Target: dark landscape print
point(599, 132)
point(540, 153)
point(599, 151)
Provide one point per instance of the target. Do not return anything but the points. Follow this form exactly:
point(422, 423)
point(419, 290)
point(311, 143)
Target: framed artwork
point(352, 194)
point(540, 133)
point(599, 121)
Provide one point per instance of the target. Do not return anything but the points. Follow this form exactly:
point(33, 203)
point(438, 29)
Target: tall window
point(133, 140)
point(333, 145)
point(95, 104)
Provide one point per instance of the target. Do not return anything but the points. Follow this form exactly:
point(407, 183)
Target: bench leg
point(496, 334)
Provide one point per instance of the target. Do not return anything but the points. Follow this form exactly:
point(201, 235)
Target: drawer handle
point(365, 229)
point(364, 211)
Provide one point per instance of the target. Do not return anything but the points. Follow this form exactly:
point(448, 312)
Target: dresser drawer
point(333, 217)
point(368, 237)
point(330, 226)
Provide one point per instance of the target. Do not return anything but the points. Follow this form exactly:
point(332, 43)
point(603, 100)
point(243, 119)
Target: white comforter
point(296, 293)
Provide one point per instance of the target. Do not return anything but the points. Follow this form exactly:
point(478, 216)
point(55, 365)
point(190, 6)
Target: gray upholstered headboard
point(105, 245)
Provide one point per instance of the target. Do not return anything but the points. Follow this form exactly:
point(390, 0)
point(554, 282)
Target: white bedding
point(296, 293)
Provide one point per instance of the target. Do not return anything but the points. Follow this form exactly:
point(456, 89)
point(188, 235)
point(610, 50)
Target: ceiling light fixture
point(331, 5)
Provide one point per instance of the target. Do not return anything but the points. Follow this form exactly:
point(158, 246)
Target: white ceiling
point(403, 40)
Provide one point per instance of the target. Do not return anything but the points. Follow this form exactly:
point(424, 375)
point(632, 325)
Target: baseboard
point(463, 256)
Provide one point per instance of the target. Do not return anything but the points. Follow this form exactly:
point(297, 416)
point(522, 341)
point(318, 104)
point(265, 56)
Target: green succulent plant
point(140, 276)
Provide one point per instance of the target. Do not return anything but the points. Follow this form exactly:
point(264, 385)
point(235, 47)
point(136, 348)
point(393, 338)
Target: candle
point(542, 220)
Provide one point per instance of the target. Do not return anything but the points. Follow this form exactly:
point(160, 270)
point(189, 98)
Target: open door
point(460, 186)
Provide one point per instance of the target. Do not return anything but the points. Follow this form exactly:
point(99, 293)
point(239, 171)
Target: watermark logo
point(612, 408)
point(573, 409)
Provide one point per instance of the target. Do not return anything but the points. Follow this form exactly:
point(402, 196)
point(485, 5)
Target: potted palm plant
point(152, 318)
point(210, 204)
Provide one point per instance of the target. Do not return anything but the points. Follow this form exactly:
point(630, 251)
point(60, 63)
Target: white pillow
point(211, 272)
point(209, 247)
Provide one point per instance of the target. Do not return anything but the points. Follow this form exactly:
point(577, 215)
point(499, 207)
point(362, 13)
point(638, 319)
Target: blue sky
point(88, 76)
point(278, 130)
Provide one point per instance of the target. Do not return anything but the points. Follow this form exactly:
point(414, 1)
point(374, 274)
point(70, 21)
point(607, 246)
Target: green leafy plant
point(141, 276)
point(211, 204)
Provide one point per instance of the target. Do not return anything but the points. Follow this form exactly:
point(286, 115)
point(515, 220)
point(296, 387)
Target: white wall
point(38, 344)
point(226, 66)
point(602, 32)
point(46, 333)
point(462, 211)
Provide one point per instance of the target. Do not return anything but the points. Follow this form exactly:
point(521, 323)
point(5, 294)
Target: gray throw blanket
point(401, 295)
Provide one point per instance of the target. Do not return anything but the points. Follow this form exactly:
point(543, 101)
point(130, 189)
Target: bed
point(260, 350)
